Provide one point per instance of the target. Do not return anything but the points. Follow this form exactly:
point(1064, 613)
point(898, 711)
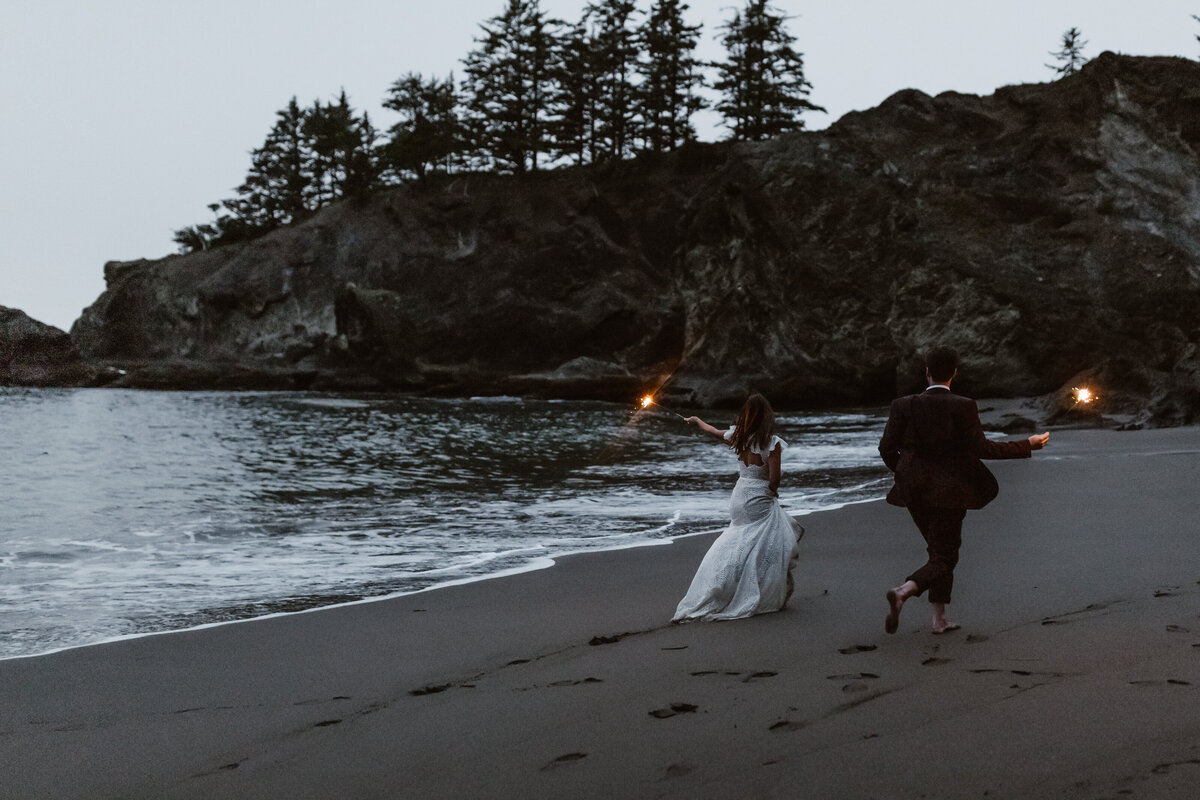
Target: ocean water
point(128, 513)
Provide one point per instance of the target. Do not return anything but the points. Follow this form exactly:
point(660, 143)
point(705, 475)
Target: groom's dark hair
point(941, 363)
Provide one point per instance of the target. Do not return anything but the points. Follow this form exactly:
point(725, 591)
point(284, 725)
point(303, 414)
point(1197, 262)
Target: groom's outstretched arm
point(983, 447)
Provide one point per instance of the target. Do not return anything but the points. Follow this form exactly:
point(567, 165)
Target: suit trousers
point(942, 529)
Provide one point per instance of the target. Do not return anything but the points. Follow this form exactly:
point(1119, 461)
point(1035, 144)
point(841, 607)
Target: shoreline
point(1077, 673)
point(544, 562)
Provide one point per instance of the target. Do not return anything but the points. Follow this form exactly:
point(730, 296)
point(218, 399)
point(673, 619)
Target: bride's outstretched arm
point(706, 428)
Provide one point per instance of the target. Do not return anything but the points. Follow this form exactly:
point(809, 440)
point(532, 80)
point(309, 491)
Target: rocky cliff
point(35, 354)
point(1051, 232)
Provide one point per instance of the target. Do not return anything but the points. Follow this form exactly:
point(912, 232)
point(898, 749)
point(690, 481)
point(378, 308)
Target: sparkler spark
point(648, 400)
point(1083, 395)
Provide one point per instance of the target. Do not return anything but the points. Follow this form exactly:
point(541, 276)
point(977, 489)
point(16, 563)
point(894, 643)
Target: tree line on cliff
point(535, 92)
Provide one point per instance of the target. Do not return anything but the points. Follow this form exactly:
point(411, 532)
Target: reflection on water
point(129, 512)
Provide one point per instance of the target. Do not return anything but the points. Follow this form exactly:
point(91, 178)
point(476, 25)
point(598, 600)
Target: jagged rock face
point(35, 354)
point(467, 284)
point(1043, 231)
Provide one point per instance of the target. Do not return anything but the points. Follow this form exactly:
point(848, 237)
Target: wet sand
point(1076, 673)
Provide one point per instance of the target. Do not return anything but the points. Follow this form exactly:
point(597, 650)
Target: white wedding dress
point(747, 570)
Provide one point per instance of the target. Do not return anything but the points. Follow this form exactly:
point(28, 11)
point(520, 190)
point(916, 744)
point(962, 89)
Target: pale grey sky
point(123, 119)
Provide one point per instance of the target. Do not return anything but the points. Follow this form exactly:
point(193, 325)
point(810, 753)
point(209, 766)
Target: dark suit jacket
point(933, 442)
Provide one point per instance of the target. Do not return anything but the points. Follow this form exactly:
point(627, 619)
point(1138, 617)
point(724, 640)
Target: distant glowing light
point(1083, 395)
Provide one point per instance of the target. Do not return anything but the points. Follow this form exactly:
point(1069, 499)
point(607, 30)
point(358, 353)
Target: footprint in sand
point(755, 676)
point(1177, 629)
point(857, 681)
point(679, 770)
point(852, 676)
point(565, 758)
point(1163, 769)
point(223, 768)
point(326, 723)
point(673, 709)
point(857, 648)
point(433, 689)
point(378, 705)
point(1167, 682)
point(576, 683)
point(786, 725)
point(976, 638)
point(935, 662)
point(596, 640)
point(318, 702)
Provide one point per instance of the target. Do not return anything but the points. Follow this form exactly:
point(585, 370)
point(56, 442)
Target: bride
point(747, 570)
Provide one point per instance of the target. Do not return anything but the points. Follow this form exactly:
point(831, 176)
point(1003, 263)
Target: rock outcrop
point(1046, 231)
point(35, 354)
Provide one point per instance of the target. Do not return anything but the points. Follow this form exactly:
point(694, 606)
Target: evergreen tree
point(429, 134)
point(310, 158)
point(666, 96)
point(762, 81)
point(1070, 55)
point(573, 95)
point(274, 192)
point(508, 86)
point(275, 189)
point(337, 149)
point(224, 229)
point(614, 60)
point(195, 238)
point(363, 167)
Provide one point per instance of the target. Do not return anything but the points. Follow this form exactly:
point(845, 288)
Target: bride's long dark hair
point(755, 424)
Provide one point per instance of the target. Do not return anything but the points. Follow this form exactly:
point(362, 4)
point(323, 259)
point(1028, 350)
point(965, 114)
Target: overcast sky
point(124, 119)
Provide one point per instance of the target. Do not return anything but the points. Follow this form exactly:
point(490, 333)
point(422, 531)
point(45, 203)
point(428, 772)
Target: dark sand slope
point(1076, 674)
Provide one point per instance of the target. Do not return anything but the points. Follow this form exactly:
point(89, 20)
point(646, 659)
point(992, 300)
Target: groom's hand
point(1038, 440)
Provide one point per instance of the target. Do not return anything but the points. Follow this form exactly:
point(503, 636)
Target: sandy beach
point(1076, 673)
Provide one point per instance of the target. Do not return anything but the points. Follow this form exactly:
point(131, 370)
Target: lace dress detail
point(747, 570)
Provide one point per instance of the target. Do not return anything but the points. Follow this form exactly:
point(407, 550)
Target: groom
point(933, 442)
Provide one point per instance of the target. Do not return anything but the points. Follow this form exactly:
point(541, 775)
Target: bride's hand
point(692, 420)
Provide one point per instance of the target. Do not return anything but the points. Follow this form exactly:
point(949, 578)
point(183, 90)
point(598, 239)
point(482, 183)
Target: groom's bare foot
point(940, 623)
point(895, 598)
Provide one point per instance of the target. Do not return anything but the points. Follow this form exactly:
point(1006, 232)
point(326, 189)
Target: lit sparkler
point(1083, 395)
point(648, 400)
